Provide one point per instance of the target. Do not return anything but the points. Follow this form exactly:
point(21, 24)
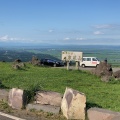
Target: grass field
point(30, 78)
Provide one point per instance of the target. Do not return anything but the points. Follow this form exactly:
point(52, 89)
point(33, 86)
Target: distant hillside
point(11, 55)
point(25, 53)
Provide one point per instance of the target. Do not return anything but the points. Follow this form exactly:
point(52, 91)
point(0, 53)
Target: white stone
point(15, 99)
point(73, 104)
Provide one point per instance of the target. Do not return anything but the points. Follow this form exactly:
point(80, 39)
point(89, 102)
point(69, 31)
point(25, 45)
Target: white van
point(89, 61)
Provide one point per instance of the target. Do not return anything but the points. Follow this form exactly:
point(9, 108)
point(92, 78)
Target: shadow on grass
point(2, 86)
point(90, 105)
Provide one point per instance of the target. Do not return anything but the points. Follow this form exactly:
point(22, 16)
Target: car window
point(84, 59)
point(97, 59)
point(94, 59)
point(88, 59)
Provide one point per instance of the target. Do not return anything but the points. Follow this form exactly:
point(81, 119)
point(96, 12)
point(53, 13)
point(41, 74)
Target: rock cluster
point(35, 61)
point(72, 105)
point(18, 64)
point(103, 70)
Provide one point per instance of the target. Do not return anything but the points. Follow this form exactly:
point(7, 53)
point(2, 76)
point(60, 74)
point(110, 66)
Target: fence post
point(77, 65)
point(67, 65)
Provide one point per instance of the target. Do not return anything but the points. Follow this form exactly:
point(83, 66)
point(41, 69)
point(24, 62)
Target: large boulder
point(18, 64)
point(16, 98)
point(35, 61)
point(103, 69)
point(18, 61)
point(48, 98)
point(73, 104)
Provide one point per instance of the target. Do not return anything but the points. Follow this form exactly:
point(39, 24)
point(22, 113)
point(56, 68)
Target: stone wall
point(73, 104)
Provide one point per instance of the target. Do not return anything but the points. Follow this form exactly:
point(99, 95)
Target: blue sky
point(60, 22)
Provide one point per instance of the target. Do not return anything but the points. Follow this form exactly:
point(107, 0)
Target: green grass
point(30, 78)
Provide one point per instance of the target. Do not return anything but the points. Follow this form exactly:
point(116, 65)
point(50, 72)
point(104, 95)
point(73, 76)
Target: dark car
point(51, 62)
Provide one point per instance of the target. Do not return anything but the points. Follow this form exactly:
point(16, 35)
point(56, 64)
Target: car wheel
point(83, 65)
point(97, 66)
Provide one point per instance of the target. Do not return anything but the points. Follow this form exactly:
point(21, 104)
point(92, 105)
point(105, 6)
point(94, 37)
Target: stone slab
point(101, 114)
point(45, 108)
point(48, 98)
point(4, 95)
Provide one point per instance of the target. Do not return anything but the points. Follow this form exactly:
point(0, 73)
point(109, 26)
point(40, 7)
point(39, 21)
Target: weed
point(49, 114)
point(4, 105)
point(32, 110)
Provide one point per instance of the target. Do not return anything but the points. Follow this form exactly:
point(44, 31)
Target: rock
point(73, 104)
point(103, 69)
point(45, 108)
point(18, 64)
point(4, 95)
point(35, 61)
point(116, 74)
point(48, 98)
point(16, 67)
point(101, 114)
point(17, 61)
point(16, 98)
point(21, 64)
point(106, 78)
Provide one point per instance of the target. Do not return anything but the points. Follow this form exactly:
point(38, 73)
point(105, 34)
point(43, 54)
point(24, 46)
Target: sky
point(62, 22)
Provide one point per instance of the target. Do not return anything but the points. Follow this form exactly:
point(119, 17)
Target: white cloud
point(98, 33)
point(6, 38)
point(51, 31)
point(80, 38)
point(67, 38)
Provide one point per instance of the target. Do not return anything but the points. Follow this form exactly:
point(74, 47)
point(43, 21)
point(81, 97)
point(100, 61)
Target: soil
point(29, 115)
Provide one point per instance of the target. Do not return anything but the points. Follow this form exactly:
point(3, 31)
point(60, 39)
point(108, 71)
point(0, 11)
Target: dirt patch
point(30, 115)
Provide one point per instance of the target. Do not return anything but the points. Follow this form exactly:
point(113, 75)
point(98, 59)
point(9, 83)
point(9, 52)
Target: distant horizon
point(44, 44)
